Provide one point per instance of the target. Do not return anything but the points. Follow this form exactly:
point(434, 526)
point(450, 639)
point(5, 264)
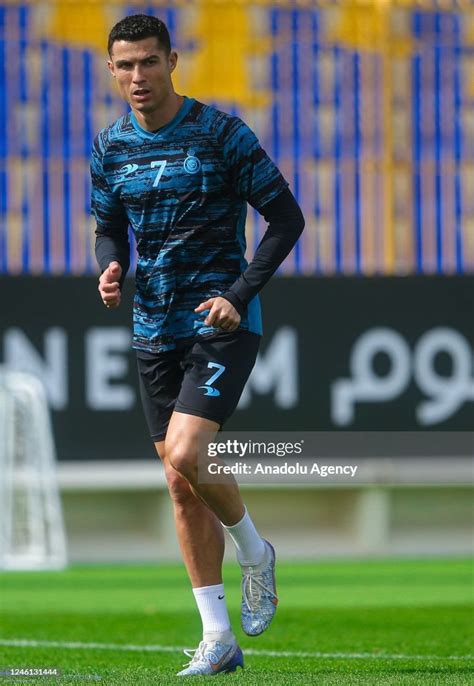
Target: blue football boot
point(259, 598)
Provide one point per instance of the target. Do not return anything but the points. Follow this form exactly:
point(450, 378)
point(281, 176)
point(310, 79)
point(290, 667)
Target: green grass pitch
point(358, 622)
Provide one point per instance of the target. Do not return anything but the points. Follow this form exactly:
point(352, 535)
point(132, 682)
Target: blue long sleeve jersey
point(184, 191)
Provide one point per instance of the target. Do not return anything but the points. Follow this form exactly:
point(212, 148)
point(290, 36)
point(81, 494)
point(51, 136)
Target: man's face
point(143, 73)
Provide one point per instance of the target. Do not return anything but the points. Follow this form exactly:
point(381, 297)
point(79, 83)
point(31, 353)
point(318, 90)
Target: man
point(180, 173)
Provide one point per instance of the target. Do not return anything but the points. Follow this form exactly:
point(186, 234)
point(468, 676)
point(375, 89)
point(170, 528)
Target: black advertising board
point(345, 354)
point(376, 353)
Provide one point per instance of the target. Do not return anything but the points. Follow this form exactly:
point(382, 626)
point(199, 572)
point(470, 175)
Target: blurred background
point(368, 109)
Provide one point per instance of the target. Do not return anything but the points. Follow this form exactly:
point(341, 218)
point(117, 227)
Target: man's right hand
point(109, 286)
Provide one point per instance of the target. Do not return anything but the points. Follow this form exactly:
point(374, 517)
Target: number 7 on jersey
point(161, 164)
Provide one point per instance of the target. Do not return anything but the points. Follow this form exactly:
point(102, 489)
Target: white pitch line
point(77, 645)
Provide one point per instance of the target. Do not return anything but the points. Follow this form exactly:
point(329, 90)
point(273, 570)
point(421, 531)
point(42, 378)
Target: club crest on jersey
point(192, 164)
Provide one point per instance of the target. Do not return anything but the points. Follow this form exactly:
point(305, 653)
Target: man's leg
point(201, 508)
point(201, 539)
point(185, 435)
point(199, 531)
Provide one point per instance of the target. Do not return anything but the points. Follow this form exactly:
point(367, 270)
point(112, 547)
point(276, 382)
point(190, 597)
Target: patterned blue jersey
point(184, 191)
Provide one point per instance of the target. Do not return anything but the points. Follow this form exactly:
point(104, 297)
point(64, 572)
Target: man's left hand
point(221, 314)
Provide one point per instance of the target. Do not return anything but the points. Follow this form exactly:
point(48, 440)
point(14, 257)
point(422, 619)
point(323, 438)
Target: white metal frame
point(32, 532)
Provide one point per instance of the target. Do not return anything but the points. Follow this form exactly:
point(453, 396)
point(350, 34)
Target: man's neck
point(153, 121)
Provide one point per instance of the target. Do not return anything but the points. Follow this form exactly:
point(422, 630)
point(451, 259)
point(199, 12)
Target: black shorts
point(205, 378)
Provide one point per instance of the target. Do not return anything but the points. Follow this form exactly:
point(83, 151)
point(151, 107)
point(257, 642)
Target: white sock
point(213, 609)
point(248, 542)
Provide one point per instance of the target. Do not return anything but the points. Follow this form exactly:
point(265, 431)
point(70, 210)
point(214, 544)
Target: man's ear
point(173, 60)
point(110, 65)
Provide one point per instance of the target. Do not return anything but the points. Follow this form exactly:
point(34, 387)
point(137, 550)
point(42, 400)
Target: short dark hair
point(137, 27)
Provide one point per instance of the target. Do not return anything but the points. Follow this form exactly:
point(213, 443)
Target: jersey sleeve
point(285, 224)
point(106, 208)
point(253, 175)
point(112, 242)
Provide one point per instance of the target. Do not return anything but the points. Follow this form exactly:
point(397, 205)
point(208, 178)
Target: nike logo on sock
point(220, 597)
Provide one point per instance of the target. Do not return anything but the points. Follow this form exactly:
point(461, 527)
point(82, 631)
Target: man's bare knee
point(185, 434)
point(178, 487)
point(182, 456)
